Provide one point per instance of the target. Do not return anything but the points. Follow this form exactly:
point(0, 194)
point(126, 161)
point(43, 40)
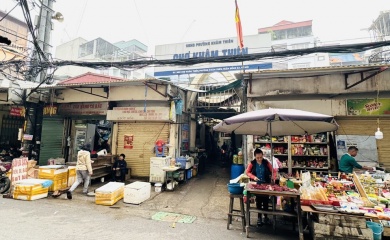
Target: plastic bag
point(102, 152)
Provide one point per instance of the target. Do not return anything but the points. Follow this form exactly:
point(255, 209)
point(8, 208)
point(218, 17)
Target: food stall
point(275, 191)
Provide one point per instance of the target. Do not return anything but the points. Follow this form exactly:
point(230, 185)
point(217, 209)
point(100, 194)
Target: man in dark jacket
point(120, 166)
point(260, 170)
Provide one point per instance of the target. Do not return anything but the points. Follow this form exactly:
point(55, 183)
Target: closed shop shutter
point(368, 126)
point(51, 139)
point(145, 136)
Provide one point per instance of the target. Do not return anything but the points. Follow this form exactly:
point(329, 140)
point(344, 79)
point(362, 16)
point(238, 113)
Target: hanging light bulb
point(379, 134)
point(200, 119)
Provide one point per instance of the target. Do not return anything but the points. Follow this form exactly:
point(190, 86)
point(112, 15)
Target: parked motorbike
point(5, 182)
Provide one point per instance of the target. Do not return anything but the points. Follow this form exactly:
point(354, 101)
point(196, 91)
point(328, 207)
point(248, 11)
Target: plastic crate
point(182, 161)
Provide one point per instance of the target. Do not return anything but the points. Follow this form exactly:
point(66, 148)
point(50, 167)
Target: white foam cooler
point(109, 194)
point(137, 192)
point(31, 189)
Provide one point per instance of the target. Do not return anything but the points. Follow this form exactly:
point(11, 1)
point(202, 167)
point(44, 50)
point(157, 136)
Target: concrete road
point(204, 197)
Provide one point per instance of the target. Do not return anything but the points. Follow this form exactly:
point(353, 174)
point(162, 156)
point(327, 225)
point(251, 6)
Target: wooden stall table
point(335, 225)
point(274, 212)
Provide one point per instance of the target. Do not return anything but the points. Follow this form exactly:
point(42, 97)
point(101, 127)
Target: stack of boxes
point(57, 174)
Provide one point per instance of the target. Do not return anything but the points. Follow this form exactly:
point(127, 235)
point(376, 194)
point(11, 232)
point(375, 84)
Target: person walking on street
point(83, 170)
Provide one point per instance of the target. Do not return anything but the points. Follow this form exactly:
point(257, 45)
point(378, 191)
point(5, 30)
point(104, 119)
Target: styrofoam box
point(57, 174)
point(137, 192)
point(109, 194)
point(29, 189)
point(71, 175)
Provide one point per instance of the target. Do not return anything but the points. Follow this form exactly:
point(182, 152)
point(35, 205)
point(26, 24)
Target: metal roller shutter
point(368, 126)
point(145, 136)
point(51, 139)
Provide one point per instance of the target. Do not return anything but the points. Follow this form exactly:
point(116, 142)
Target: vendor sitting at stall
point(119, 166)
point(348, 162)
point(260, 170)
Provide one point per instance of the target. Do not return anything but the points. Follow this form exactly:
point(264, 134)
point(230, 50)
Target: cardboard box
point(33, 173)
point(109, 194)
point(137, 192)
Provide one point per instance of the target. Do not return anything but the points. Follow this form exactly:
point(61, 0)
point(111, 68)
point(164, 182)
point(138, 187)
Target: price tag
point(306, 179)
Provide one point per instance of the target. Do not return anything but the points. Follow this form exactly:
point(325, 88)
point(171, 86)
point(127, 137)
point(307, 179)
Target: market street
point(204, 197)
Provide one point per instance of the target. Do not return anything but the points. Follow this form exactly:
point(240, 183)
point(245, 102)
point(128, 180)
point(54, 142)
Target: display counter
point(274, 212)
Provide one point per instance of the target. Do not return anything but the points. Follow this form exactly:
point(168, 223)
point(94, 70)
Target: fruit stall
point(344, 206)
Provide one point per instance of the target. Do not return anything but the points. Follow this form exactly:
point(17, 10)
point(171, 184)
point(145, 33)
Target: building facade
point(101, 50)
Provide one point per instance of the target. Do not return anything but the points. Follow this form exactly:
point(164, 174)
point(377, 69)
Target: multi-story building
point(101, 50)
point(287, 35)
point(10, 85)
point(16, 31)
point(380, 31)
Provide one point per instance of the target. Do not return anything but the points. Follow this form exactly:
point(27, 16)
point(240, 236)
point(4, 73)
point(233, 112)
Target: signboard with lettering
point(368, 107)
point(213, 48)
point(138, 114)
point(19, 169)
point(50, 110)
point(17, 111)
point(28, 137)
point(93, 108)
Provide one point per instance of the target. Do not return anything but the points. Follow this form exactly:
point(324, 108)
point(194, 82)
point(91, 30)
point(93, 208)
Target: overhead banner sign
point(368, 107)
point(138, 114)
point(94, 108)
point(213, 48)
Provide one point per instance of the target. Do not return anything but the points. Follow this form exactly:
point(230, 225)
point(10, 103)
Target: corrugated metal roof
point(90, 78)
point(306, 72)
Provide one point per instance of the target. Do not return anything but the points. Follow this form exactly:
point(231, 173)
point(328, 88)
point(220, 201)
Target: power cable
point(8, 12)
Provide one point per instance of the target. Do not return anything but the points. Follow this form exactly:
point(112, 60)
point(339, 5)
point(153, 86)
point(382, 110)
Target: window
point(300, 46)
point(301, 65)
point(320, 58)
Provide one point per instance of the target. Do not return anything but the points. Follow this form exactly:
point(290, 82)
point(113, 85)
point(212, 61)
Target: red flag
point(240, 38)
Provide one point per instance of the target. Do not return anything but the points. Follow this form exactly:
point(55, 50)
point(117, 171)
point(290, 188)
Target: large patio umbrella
point(277, 122)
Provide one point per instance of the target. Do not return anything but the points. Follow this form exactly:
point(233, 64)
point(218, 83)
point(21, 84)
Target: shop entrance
point(51, 140)
point(10, 129)
point(96, 133)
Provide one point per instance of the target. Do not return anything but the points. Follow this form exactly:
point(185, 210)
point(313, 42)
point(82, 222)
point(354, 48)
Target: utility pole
point(34, 107)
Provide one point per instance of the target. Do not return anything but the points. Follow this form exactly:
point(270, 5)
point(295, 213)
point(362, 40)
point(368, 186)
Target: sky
point(155, 22)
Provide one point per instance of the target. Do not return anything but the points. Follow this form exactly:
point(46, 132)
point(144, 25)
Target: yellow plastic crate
point(109, 194)
point(71, 175)
point(29, 190)
point(58, 176)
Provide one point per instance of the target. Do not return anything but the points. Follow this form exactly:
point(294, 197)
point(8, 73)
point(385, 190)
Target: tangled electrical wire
point(350, 48)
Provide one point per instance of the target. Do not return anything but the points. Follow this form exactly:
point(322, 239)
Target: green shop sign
point(368, 107)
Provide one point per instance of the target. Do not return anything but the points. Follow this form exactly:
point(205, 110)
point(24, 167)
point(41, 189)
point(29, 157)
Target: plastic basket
point(182, 162)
